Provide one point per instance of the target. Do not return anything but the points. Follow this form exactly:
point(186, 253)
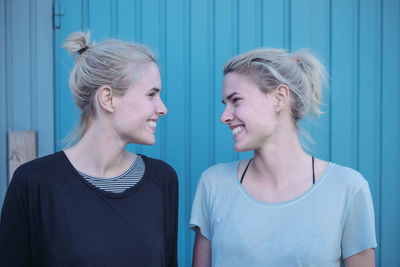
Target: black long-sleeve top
point(51, 216)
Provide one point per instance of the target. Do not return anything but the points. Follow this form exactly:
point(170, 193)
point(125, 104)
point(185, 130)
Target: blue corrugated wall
point(357, 40)
point(26, 76)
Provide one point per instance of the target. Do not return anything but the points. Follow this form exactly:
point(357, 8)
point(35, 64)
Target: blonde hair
point(302, 72)
point(113, 63)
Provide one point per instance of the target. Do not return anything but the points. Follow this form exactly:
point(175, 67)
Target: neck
point(280, 160)
point(100, 152)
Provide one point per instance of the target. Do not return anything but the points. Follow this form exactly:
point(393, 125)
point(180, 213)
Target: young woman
point(96, 203)
point(283, 207)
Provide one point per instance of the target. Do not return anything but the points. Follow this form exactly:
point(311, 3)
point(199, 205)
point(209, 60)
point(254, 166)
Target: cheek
point(125, 116)
point(262, 119)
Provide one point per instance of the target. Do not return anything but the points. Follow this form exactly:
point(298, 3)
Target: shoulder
point(40, 165)
point(40, 170)
point(219, 174)
point(159, 170)
point(346, 178)
point(220, 169)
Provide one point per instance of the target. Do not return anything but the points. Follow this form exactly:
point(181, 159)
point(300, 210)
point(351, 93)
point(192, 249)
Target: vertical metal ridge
point(397, 171)
point(356, 69)
point(163, 49)
point(55, 42)
point(187, 115)
point(327, 91)
point(56, 117)
point(236, 34)
point(3, 99)
point(261, 23)
point(138, 21)
point(141, 20)
point(113, 20)
point(9, 64)
point(380, 58)
point(211, 81)
point(330, 82)
point(139, 38)
point(85, 15)
point(236, 31)
point(116, 20)
point(289, 25)
point(33, 63)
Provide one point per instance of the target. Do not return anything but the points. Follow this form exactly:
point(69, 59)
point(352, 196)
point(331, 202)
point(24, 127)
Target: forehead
point(149, 77)
point(237, 82)
point(149, 70)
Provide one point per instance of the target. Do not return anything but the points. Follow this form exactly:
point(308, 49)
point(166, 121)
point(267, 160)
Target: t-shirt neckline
point(282, 203)
point(103, 192)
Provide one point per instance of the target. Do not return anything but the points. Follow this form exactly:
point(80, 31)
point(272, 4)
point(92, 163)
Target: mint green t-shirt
point(331, 221)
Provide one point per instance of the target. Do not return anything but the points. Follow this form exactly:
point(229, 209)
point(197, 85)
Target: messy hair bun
point(114, 63)
point(76, 41)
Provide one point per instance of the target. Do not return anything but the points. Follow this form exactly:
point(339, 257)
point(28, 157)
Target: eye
point(153, 92)
point(235, 100)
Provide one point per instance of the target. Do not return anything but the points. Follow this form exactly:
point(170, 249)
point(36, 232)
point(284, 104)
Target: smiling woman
point(96, 203)
point(137, 112)
point(282, 207)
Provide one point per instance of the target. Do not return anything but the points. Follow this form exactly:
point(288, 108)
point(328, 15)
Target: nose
point(226, 116)
point(161, 109)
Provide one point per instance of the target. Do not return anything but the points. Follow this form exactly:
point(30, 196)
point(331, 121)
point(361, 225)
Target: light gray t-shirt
point(331, 221)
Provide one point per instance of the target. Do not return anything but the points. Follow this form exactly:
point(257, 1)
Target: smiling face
point(249, 112)
point(137, 111)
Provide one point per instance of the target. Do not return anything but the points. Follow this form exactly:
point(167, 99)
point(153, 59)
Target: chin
point(149, 142)
point(242, 148)
point(144, 141)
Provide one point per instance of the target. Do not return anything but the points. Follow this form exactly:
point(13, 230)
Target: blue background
point(357, 40)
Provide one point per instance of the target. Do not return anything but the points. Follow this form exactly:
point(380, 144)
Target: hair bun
point(77, 42)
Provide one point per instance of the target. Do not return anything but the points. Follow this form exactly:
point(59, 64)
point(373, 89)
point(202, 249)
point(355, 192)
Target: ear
point(282, 97)
point(105, 98)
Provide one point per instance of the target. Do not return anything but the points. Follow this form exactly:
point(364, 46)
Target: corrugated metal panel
point(26, 75)
point(389, 201)
point(358, 41)
point(3, 103)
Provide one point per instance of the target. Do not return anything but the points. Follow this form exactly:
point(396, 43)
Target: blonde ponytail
point(314, 73)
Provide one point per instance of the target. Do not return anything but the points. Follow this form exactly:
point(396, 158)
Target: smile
point(152, 124)
point(237, 130)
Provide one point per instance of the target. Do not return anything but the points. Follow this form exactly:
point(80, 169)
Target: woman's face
point(249, 112)
point(136, 112)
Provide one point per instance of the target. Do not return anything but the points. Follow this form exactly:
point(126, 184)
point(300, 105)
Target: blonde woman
point(96, 203)
point(282, 207)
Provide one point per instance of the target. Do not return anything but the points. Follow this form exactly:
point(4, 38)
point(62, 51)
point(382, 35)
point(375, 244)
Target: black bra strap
point(313, 171)
point(245, 170)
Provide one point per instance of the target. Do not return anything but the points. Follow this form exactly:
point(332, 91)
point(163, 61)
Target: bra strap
point(245, 170)
point(313, 170)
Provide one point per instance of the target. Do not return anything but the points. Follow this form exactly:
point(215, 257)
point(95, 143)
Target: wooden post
point(21, 149)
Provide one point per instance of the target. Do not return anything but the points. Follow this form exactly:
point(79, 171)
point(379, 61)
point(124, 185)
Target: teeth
point(152, 123)
point(237, 130)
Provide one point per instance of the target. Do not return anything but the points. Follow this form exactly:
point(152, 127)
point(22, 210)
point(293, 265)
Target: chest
point(269, 194)
point(81, 227)
point(297, 235)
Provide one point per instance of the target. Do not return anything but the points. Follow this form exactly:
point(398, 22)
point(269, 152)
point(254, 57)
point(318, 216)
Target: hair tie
point(80, 51)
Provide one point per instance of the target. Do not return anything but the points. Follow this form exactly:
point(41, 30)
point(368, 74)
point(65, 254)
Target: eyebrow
point(155, 89)
point(229, 97)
